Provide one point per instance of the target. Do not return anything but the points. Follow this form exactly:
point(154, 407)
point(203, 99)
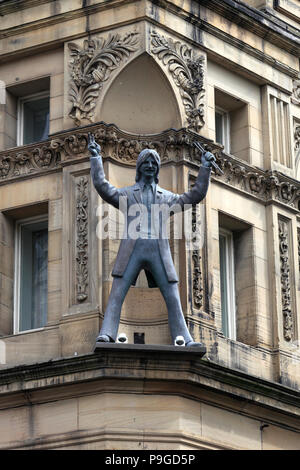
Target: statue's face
point(149, 167)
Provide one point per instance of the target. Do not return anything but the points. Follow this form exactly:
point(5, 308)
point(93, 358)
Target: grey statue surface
point(142, 250)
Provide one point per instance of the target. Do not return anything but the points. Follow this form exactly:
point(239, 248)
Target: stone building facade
point(159, 74)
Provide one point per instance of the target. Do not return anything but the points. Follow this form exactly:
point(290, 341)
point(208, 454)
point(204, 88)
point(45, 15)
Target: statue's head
point(143, 156)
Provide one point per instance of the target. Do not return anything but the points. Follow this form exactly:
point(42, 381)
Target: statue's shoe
point(103, 339)
point(194, 344)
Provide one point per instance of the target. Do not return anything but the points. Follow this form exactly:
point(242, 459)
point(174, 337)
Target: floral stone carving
point(286, 300)
point(91, 66)
point(82, 200)
point(188, 74)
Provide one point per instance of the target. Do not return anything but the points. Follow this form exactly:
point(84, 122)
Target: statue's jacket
point(133, 196)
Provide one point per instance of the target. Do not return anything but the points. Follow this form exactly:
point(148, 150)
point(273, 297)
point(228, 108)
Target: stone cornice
point(174, 146)
point(158, 367)
point(10, 6)
point(276, 31)
point(257, 54)
point(280, 33)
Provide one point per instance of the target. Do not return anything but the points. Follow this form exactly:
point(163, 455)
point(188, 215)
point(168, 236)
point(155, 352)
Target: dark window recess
point(36, 120)
point(139, 338)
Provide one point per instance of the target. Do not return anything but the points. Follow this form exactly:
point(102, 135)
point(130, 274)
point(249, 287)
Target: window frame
point(230, 284)
point(17, 270)
point(225, 127)
point(20, 112)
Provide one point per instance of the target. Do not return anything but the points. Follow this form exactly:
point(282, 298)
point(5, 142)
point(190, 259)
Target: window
point(222, 128)
point(231, 125)
point(280, 141)
point(33, 118)
point(31, 274)
point(227, 283)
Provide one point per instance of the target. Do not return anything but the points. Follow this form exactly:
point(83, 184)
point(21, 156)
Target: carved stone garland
point(285, 281)
point(82, 199)
point(187, 72)
point(197, 274)
point(123, 147)
point(174, 145)
point(91, 66)
point(197, 280)
point(28, 160)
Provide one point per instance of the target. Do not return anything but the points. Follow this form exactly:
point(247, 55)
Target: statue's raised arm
point(199, 190)
point(107, 191)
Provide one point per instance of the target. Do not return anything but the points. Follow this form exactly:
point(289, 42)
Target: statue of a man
point(142, 250)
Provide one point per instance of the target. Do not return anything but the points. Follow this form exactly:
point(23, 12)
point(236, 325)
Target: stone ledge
point(279, 32)
point(153, 348)
point(148, 369)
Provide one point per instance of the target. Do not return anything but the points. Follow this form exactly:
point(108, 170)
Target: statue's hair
point(143, 157)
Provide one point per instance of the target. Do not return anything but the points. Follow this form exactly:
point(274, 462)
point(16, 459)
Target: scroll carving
point(188, 74)
point(91, 66)
point(285, 281)
point(82, 199)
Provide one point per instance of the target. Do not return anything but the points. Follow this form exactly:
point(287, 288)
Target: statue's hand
point(207, 159)
point(93, 147)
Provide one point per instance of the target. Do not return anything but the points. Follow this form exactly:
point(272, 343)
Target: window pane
point(33, 276)
point(39, 277)
point(224, 285)
point(219, 128)
point(36, 120)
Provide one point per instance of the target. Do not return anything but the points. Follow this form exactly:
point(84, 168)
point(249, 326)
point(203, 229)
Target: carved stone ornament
point(124, 147)
point(296, 92)
point(91, 66)
point(27, 160)
point(82, 199)
point(197, 274)
point(266, 185)
point(187, 72)
point(297, 138)
point(285, 281)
